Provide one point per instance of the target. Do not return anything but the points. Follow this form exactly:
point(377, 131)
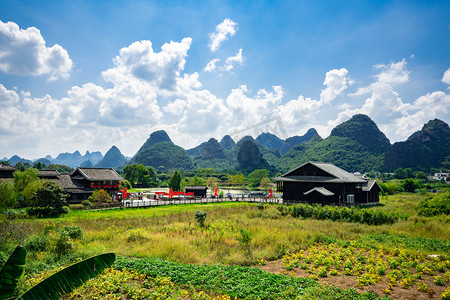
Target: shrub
point(433, 206)
point(200, 217)
point(38, 243)
point(355, 215)
point(99, 196)
point(63, 244)
point(86, 203)
point(74, 232)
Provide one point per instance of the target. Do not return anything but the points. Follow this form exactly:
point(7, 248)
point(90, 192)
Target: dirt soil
point(343, 281)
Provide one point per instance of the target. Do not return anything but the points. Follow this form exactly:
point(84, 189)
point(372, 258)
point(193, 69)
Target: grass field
point(234, 234)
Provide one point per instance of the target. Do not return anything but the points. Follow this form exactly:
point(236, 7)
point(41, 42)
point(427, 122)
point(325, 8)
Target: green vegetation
point(234, 233)
point(368, 265)
point(343, 214)
point(175, 181)
point(434, 206)
point(139, 176)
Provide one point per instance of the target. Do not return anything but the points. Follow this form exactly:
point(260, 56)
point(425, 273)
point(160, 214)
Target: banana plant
point(60, 283)
point(12, 272)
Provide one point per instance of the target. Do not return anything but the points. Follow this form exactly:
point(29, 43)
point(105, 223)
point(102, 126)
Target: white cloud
point(176, 107)
point(23, 52)
point(223, 31)
point(396, 118)
point(237, 59)
point(212, 65)
point(335, 82)
point(139, 62)
point(149, 91)
point(393, 73)
point(446, 77)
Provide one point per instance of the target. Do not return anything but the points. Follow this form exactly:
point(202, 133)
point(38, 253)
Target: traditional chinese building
point(325, 183)
point(81, 183)
point(197, 190)
point(7, 171)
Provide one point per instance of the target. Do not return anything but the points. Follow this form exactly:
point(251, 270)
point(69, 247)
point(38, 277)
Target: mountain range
point(354, 145)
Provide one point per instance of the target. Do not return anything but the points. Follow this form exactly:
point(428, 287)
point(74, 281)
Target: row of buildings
point(312, 182)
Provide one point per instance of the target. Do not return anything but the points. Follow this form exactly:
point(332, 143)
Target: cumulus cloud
point(148, 90)
point(446, 77)
point(224, 30)
point(139, 62)
point(212, 65)
point(335, 82)
point(232, 60)
point(24, 52)
point(396, 118)
point(393, 73)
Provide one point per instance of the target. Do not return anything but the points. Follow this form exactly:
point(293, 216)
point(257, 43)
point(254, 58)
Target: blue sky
point(87, 75)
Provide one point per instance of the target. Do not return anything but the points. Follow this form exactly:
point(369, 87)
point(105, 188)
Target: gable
point(309, 169)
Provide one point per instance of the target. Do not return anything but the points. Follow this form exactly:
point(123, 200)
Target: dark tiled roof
point(98, 174)
point(7, 168)
point(49, 173)
point(196, 187)
point(71, 186)
point(309, 179)
point(334, 171)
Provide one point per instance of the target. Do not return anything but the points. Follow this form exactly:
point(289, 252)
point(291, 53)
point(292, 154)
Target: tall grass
point(170, 232)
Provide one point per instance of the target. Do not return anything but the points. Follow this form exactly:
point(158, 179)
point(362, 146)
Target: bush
point(63, 244)
point(433, 206)
point(86, 203)
point(74, 232)
point(345, 214)
point(38, 243)
point(47, 212)
point(100, 196)
point(200, 217)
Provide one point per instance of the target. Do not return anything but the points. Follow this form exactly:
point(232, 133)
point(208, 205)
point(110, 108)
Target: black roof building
point(325, 183)
point(83, 181)
point(198, 190)
point(7, 171)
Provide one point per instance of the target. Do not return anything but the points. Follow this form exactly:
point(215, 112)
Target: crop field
point(244, 251)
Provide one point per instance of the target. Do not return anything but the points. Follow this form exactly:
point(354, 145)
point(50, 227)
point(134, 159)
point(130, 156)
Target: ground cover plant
point(388, 271)
point(233, 233)
point(234, 281)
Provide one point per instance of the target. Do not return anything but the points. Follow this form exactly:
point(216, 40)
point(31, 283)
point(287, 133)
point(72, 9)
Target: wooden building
point(7, 171)
point(198, 190)
point(81, 183)
point(325, 183)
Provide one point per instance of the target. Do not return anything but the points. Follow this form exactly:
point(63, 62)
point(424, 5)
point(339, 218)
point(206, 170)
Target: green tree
point(8, 195)
point(60, 168)
point(421, 175)
point(138, 175)
point(255, 177)
point(265, 184)
point(23, 178)
point(212, 182)
point(175, 181)
point(400, 173)
point(29, 192)
point(50, 194)
point(100, 196)
point(238, 179)
point(410, 185)
point(38, 165)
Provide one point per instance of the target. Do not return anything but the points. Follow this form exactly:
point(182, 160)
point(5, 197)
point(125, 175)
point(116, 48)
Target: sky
point(87, 75)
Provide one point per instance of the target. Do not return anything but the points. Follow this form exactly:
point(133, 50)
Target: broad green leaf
point(69, 278)
point(12, 272)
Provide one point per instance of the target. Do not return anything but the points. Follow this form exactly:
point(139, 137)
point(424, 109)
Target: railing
point(176, 201)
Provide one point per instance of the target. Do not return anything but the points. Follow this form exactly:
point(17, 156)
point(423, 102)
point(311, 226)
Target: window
point(351, 198)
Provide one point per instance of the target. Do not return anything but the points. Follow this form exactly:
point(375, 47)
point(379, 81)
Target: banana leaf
point(12, 272)
point(66, 280)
